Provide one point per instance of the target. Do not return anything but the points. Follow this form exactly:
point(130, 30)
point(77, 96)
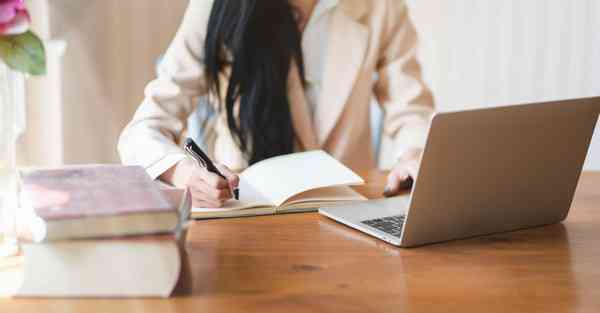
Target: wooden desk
point(307, 263)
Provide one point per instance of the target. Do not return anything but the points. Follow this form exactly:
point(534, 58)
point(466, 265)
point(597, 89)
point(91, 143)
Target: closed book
point(96, 201)
point(113, 267)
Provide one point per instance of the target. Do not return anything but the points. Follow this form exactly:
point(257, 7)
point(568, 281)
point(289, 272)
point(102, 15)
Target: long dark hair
point(263, 41)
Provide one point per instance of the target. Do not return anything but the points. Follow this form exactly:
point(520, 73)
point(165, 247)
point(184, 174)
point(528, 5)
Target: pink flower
point(14, 18)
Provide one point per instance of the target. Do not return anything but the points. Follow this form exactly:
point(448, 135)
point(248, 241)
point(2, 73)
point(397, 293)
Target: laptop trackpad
point(366, 210)
point(391, 206)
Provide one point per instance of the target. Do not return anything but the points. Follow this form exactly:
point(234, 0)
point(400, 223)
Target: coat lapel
point(347, 46)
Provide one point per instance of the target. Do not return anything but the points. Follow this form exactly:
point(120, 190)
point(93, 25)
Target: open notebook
point(299, 182)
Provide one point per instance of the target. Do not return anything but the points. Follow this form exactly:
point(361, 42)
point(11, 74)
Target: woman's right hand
point(208, 190)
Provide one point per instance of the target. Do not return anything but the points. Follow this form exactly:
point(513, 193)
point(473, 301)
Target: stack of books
point(103, 231)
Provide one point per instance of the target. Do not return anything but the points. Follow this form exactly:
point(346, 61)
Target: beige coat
point(371, 54)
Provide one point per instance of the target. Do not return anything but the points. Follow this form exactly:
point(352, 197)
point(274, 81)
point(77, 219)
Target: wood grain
point(307, 263)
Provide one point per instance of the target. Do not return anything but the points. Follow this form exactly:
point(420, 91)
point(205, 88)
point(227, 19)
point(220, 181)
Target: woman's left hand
point(405, 170)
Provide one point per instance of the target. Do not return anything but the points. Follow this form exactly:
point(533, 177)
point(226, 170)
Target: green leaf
point(24, 53)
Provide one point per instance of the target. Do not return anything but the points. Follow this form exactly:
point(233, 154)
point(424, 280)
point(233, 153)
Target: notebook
point(92, 201)
point(299, 182)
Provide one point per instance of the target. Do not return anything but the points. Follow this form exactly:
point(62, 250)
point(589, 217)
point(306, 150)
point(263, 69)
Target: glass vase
point(12, 125)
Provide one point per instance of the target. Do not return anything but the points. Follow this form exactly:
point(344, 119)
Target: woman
point(285, 76)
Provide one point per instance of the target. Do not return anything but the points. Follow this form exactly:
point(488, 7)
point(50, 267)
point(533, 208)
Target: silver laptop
point(486, 171)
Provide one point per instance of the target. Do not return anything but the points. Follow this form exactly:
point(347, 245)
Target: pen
point(203, 160)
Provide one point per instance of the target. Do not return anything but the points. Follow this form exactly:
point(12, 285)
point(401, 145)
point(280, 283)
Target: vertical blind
point(486, 53)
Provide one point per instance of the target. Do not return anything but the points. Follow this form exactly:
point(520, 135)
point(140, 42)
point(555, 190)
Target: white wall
point(487, 53)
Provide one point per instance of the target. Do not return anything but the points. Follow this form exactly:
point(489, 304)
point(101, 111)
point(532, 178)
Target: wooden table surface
point(307, 263)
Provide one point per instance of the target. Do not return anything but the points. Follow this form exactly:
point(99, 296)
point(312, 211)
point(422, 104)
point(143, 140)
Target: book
point(293, 183)
point(114, 267)
point(94, 201)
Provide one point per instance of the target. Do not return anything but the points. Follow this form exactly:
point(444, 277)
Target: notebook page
point(327, 194)
point(280, 178)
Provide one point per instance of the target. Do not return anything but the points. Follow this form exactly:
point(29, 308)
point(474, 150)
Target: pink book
point(97, 201)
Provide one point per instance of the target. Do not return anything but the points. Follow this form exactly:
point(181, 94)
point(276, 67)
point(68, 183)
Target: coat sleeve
point(151, 138)
point(400, 90)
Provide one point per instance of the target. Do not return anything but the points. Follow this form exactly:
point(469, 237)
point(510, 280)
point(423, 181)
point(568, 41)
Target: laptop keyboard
point(392, 224)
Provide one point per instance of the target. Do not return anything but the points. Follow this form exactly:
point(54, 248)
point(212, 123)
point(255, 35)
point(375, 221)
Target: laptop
point(485, 171)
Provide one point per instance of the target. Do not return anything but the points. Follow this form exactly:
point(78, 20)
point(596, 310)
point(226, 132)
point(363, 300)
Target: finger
point(211, 179)
point(200, 199)
point(200, 188)
point(201, 203)
point(413, 169)
point(212, 193)
point(399, 173)
point(394, 182)
point(232, 178)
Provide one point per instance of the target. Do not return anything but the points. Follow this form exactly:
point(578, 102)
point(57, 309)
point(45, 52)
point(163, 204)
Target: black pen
point(203, 160)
